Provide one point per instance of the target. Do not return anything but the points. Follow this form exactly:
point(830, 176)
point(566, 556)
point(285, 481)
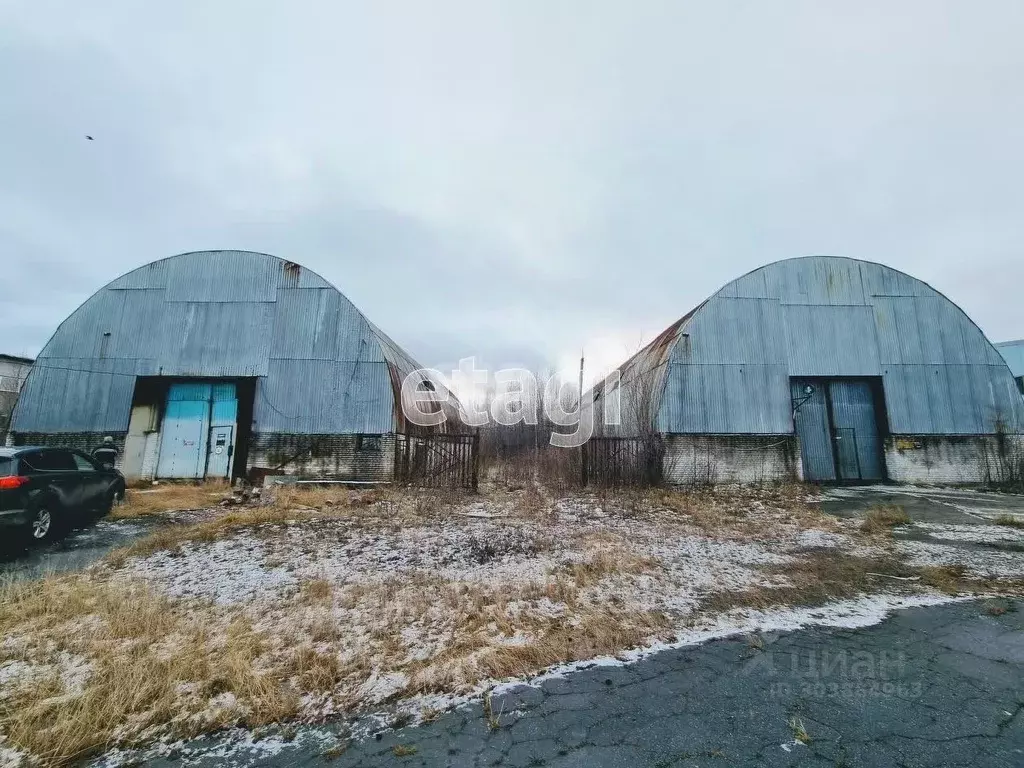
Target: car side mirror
point(107, 465)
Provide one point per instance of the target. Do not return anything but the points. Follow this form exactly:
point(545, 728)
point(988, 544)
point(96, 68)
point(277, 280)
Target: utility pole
point(579, 406)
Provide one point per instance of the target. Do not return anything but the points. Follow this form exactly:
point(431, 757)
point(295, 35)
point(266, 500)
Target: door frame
point(876, 386)
point(154, 390)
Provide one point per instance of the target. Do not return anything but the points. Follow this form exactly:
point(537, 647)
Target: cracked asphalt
point(938, 686)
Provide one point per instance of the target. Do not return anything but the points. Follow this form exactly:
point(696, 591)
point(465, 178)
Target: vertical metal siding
point(324, 397)
point(216, 339)
point(222, 276)
point(218, 314)
point(829, 340)
point(826, 317)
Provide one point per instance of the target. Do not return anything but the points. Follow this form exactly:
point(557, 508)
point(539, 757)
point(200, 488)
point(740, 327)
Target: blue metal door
point(185, 431)
point(855, 430)
point(810, 406)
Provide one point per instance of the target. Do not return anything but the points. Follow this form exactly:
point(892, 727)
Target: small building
point(824, 369)
point(13, 372)
point(1013, 354)
point(221, 364)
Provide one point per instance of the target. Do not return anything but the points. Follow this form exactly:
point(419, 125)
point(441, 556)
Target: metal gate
point(623, 461)
point(437, 461)
point(837, 424)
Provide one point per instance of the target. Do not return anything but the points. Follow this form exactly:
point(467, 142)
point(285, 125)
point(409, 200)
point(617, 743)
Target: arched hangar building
point(1013, 353)
point(826, 369)
point(215, 363)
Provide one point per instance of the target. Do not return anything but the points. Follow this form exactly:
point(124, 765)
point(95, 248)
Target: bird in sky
point(90, 138)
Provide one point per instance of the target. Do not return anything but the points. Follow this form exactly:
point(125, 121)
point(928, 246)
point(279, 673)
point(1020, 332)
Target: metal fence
point(437, 461)
point(623, 461)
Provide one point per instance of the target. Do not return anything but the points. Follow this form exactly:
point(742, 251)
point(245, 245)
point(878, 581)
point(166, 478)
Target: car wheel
point(42, 525)
point(113, 499)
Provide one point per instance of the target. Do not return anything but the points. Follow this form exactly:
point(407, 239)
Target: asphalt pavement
point(938, 686)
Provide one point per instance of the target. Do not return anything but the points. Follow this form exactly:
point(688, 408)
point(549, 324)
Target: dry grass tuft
point(155, 500)
point(796, 725)
point(745, 511)
point(951, 579)
point(1010, 521)
point(883, 518)
point(316, 590)
point(997, 607)
point(819, 577)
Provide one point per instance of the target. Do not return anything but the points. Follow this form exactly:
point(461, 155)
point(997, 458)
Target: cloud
point(512, 180)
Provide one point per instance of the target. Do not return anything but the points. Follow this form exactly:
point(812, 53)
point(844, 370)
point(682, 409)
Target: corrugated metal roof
point(323, 367)
point(1013, 353)
point(729, 361)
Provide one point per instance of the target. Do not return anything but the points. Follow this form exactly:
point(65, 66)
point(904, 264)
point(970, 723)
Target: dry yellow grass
point(1010, 521)
point(143, 654)
point(883, 518)
point(155, 500)
point(746, 511)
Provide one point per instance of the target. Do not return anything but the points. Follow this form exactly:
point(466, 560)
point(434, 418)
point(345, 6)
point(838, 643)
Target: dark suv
point(44, 492)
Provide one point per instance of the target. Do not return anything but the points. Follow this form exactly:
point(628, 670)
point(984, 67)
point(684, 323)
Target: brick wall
point(954, 460)
point(83, 441)
point(707, 459)
point(327, 456)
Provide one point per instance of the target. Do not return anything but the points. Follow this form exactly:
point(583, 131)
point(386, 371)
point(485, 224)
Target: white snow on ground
point(227, 571)
point(812, 538)
point(11, 758)
point(981, 534)
point(252, 567)
point(983, 562)
point(20, 672)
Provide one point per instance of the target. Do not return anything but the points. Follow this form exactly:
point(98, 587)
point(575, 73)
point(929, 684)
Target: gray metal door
point(814, 430)
point(855, 430)
point(221, 445)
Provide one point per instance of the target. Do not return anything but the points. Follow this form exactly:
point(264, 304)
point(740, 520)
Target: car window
point(50, 461)
point(83, 464)
point(6, 466)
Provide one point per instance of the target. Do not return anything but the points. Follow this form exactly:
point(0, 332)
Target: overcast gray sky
point(512, 180)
